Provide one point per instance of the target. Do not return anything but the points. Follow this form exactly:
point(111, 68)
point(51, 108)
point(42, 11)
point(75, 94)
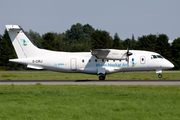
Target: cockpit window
point(159, 56)
point(153, 56)
point(156, 56)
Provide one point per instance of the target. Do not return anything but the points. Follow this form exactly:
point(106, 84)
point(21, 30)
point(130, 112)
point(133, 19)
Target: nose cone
point(171, 65)
point(168, 65)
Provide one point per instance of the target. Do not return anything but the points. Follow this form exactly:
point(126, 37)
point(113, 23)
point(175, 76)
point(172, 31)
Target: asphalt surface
point(90, 82)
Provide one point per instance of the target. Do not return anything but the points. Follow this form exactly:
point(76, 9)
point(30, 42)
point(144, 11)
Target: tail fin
point(22, 44)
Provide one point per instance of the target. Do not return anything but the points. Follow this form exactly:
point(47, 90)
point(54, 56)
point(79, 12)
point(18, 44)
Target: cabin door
point(73, 64)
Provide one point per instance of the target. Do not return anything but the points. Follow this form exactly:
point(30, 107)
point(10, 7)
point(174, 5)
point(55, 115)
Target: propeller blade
point(128, 54)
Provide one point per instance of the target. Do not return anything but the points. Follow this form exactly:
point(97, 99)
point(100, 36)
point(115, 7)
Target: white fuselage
point(84, 62)
point(98, 61)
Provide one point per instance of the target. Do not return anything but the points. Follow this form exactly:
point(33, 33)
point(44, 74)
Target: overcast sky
point(126, 17)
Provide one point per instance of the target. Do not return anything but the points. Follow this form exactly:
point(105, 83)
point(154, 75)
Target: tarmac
point(90, 82)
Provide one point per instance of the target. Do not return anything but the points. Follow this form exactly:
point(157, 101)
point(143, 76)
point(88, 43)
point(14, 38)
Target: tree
point(78, 34)
point(59, 43)
point(133, 43)
point(7, 52)
point(35, 37)
point(1, 50)
point(162, 46)
point(87, 29)
point(101, 40)
point(175, 53)
point(48, 41)
point(117, 42)
point(126, 42)
point(147, 42)
point(75, 33)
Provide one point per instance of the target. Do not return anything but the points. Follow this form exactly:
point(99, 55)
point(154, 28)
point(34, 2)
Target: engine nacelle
point(110, 54)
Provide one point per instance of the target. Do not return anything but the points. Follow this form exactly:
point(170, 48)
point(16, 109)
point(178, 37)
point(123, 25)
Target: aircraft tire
point(101, 77)
point(160, 76)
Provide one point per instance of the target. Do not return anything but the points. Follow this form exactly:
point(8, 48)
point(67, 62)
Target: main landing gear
point(102, 77)
point(160, 76)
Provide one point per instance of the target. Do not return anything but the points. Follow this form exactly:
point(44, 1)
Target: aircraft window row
point(156, 56)
point(83, 60)
point(103, 60)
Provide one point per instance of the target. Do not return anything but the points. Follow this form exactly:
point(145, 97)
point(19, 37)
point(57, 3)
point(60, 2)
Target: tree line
point(83, 38)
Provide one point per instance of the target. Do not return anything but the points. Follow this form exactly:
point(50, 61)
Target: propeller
point(128, 54)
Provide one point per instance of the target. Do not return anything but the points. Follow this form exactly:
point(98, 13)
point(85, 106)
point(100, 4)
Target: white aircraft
point(99, 61)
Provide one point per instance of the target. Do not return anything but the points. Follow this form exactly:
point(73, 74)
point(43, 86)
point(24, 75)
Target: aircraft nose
point(165, 64)
point(169, 65)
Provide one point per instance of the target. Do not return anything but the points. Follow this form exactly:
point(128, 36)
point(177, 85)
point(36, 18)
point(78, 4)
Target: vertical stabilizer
point(22, 44)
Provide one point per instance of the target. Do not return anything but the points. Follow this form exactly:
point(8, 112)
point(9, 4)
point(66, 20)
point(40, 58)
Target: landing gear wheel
point(160, 76)
point(102, 77)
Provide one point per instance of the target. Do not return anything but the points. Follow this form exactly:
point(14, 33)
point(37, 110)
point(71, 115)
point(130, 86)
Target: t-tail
point(26, 51)
point(22, 44)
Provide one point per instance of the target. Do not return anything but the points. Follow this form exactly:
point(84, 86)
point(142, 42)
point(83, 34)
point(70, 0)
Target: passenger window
point(107, 60)
point(82, 61)
point(102, 60)
point(132, 59)
point(95, 60)
point(113, 60)
point(142, 59)
point(89, 60)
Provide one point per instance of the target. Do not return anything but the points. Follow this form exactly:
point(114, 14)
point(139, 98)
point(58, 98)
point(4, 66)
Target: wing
point(110, 54)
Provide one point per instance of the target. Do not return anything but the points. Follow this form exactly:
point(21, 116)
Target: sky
point(125, 17)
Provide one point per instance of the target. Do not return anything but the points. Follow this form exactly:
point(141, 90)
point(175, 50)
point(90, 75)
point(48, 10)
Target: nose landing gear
point(160, 76)
point(159, 71)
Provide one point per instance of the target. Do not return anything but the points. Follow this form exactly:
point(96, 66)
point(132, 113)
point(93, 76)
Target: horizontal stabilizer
point(8, 27)
point(26, 61)
point(35, 67)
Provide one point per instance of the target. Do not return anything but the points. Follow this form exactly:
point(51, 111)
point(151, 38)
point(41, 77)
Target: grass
point(48, 75)
point(79, 102)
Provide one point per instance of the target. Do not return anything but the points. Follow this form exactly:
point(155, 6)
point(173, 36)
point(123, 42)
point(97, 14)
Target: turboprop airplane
point(99, 61)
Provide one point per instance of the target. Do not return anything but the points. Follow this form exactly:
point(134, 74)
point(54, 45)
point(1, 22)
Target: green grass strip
point(48, 75)
point(89, 102)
